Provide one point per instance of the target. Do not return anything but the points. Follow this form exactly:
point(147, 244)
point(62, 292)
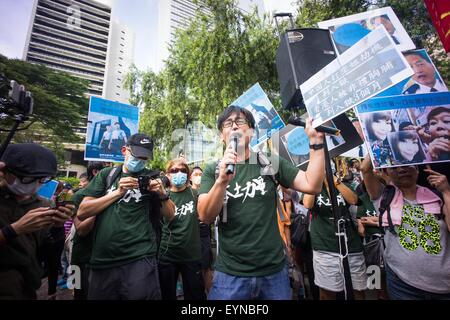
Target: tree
point(212, 63)
point(59, 103)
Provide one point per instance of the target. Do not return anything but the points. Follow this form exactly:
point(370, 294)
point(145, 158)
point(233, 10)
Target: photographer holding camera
point(25, 218)
point(123, 261)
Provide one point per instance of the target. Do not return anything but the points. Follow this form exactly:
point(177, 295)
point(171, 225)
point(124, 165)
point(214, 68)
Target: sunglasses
point(28, 180)
point(176, 170)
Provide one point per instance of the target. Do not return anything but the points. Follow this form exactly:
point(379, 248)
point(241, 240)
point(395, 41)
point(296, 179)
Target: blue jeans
point(272, 287)
point(400, 290)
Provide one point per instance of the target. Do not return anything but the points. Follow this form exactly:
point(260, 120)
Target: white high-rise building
point(71, 36)
point(78, 37)
point(177, 14)
point(119, 59)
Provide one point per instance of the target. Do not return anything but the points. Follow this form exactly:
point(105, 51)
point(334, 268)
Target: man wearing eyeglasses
point(123, 259)
point(25, 217)
point(251, 262)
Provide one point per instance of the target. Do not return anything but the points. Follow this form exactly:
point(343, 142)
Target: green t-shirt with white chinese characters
point(82, 245)
point(123, 232)
point(322, 229)
point(249, 242)
point(366, 209)
point(180, 241)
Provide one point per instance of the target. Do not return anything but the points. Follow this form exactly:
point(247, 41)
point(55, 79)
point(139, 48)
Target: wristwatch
point(316, 146)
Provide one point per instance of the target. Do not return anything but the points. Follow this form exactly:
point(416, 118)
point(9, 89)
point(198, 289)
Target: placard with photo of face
point(410, 133)
point(348, 30)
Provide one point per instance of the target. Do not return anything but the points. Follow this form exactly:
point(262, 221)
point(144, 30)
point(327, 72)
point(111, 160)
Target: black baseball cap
point(30, 160)
point(141, 145)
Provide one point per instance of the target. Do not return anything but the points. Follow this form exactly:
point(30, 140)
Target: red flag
point(440, 14)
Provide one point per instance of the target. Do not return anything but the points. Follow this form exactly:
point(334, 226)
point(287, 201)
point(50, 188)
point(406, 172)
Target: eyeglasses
point(176, 170)
point(229, 123)
point(28, 180)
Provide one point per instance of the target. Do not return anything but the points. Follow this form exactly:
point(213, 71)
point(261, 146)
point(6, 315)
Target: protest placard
point(346, 31)
point(110, 124)
point(267, 119)
point(426, 77)
point(366, 69)
point(407, 130)
point(293, 143)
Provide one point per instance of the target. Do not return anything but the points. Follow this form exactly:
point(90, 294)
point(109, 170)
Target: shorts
point(329, 272)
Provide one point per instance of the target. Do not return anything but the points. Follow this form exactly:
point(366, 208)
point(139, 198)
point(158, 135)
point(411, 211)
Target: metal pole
point(337, 215)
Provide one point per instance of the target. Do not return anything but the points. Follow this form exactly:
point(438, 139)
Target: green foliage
point(222, 54)
point(59, 103)
point(73, 181)
point(210, 64)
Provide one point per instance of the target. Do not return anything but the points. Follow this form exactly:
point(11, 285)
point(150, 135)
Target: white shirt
point(118, 134)
point(439, 86)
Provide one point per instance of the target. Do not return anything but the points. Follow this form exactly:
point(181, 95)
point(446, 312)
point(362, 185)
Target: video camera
point(144, 180)
point(17, 105)
point(19, 100)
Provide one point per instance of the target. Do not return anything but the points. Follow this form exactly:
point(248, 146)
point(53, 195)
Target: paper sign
point(267, 119)
point(110, 124)
point(407, 130)
point(346, 31)
point(366, 69)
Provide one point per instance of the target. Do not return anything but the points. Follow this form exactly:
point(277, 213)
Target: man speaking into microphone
point(251, 262)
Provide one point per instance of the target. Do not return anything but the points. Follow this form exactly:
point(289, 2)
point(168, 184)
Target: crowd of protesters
point(272, 226)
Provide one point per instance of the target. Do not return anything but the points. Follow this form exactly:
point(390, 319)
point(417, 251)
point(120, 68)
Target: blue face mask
point(179, 179)
point(135, 164)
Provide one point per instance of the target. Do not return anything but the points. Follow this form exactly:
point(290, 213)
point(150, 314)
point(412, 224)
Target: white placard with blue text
point(370, 66)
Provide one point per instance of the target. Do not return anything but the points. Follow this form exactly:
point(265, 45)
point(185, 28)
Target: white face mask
point(21, 189)
point(196, 180)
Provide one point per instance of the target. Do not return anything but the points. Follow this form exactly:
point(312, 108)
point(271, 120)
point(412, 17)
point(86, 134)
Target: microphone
point(234, 141)
point(297, 121)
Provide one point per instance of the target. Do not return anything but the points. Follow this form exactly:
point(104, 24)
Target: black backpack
point(151, 201)
point(300, 237)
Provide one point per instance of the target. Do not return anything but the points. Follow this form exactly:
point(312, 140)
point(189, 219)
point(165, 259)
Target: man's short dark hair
point(197, 167)
point(433, 113)
point(94, 165)
point(417, 54)
point(235, 109)
point(84, 175)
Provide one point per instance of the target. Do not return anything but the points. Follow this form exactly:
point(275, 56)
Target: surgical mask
point(135, 164)
point(179, 179)
point(21, 189)
point(196, 180)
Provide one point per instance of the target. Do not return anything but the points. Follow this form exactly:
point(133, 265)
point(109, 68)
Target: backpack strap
point(112, 176)
point(223, 215)
point(385, 206)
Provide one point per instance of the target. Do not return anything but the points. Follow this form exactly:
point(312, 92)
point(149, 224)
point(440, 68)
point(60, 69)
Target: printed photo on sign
point(267, 119)
point(407, 136)
point(110, 124)
point(293, 142)
point(369, 67)
point(346, 31)
point(426, 78)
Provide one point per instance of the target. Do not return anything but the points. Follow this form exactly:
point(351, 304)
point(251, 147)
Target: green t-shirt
point(367, 210)
point(82, 245)
point(249, 242)
point(123, 232)
point(322, 230)
point(180, 241)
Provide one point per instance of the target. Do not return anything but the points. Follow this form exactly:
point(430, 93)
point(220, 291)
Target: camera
point(144, 180)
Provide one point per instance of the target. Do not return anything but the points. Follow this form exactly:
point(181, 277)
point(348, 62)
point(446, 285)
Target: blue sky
point(139, 15)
